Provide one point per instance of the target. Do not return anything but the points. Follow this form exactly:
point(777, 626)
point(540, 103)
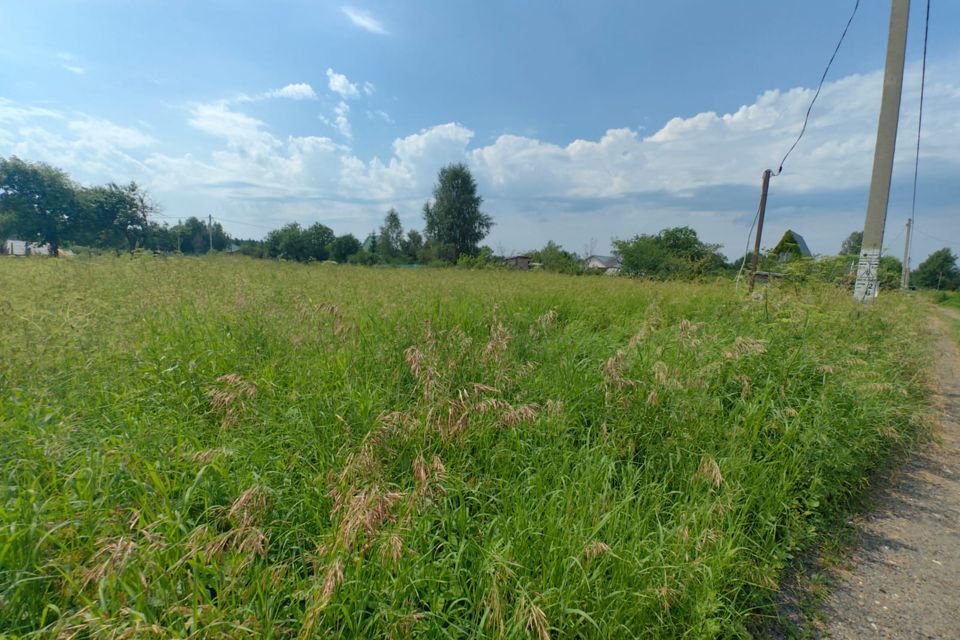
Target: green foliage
point(484, 259)
point(343, 247)
point(38, 201)
point(292, 242)
point(851, 245)
point(454, 223)
point(279, 451)
point(555, 258)
point(413, 245)
point(938, 271)
point(788, 248)
point(390, 238)
point(111, 216)
point(676, 252)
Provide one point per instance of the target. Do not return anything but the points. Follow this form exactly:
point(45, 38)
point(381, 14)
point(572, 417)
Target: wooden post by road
point(764, 186)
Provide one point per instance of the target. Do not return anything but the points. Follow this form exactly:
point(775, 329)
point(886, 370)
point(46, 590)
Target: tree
point(112, 215)
point(553, 257)
point(287, 242)
point(454, 221)
point(412, 245)
point(938, 271)
point(316, 238)
point(343, 247)
point(390, 238)
point(851, 246)
point(38, 201)
point(674, 252)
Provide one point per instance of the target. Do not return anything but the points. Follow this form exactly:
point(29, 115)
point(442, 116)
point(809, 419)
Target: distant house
point(36, 249)
point(518, 262)
point(609, 264)
point(791, 245)
point(15, 248)
point(24, 248)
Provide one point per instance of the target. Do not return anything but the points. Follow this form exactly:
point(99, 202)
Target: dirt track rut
point(903, 581)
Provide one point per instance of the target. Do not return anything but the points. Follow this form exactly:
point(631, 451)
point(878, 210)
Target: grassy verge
point(229, 447)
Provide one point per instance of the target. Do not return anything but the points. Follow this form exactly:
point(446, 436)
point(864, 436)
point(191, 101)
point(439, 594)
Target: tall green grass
point(220, 447)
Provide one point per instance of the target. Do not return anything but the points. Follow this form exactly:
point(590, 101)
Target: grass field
point(228, 447)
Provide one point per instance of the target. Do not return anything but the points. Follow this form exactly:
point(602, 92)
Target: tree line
point(40, 203)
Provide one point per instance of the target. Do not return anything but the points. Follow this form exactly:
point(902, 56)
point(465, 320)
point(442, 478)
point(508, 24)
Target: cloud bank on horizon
point(700, 170)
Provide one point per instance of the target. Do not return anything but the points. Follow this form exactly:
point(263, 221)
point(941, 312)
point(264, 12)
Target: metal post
point(867, 285)
point(762, 209)
point(905, 274)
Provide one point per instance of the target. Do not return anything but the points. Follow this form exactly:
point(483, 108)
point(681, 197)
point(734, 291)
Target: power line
point(816, 95)
point(932, 237)
point(923, 81)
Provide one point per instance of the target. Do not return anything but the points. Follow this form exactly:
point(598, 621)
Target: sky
point(582, 122)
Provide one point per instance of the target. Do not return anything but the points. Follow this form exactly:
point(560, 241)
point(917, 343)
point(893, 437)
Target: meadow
point(223, 447)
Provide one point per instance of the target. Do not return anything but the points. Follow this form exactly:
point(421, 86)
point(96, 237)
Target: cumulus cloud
point(297, 91)
point(701, 169)
point(364, 20)
point(69, 62)
point(341, 85)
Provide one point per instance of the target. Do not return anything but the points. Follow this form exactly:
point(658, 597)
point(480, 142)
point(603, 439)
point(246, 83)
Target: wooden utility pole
point(905, 274)
point(210, 230)
point(761, 210)
point(867, 285)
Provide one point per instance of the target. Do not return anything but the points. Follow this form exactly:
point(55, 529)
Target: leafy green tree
point(851, 245)
point(316, 238)
point(112, 216)
point(343, 247)
point(553, 257)
point(413, 245)
point(938, 271)
point(890, 272)
point(390, 238)
point(287, 242)
point(37, 201)
point(676, 252)
point(454, 222)
point(195, 235)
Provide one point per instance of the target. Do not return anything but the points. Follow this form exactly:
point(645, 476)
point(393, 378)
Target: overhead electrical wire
point(806, 120)
point(816, 95)
point(916, 158)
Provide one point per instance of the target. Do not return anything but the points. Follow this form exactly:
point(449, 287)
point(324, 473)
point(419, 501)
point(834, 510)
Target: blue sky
point(582, 121)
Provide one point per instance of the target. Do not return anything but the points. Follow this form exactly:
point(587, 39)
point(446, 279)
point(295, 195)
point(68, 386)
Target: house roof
point(792, 237)
point(608, 262)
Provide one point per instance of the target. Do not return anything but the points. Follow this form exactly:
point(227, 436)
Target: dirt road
point(904, 579)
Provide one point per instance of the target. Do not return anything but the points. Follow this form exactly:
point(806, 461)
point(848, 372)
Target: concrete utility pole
point(210, 230)
point(867, 286)
point(761, 210)
point(905, 274)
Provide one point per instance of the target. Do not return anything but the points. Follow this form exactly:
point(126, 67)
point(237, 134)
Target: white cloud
point(364, 20)
point(383, 115)
point(297, 91)
point(341, 121)
point(622, 183)
point(70, 62)
point(339, 84)
point(110, 134)
point(368, 88)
